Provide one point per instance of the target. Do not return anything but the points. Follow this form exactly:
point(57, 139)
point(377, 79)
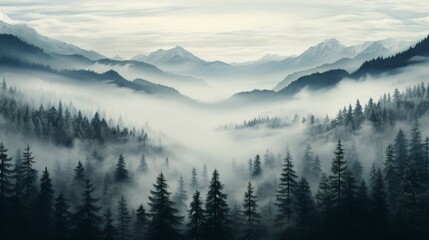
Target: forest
point(391, 202)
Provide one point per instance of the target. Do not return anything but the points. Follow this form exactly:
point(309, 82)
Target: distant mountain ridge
point(47, 44)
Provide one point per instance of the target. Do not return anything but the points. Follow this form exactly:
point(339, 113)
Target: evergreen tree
point(217, 217)
point(358, 116)
point(140, 224)
point(109, 231)
point(86, 219)
point(337, 178)
point(79, 174)
point(304, 204)
point(205, 176)
point(251, 217)
point(196, 217)
point(29, 179)
point(121, 172)
point(307, 160)
point(164, 223)
point(362, 210)
point(269, 160)
point(124, 220)
point(181, 197)
point(257, 169)
point(6, 185)
point(391, 178)
point(349, 207)
point(143, 164)
point(250, 167)
point(45, 202)
point(194, 179)
point(408, 202)
point(325, 201)
point(378, 205)
point(400, 152)
point(61, 221)
point(416, 151)
point(287, 186)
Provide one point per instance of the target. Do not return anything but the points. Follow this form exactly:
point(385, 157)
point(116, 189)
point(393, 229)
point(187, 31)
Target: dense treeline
point(392, 203)
point(59, 123)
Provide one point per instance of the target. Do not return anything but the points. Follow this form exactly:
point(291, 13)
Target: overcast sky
point(228, 30)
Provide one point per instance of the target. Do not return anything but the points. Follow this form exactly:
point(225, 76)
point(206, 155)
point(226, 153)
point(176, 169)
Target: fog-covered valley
point(340, 139)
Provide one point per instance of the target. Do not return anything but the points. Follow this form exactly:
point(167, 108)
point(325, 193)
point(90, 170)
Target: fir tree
point(304, 204)
point(61, 221)
point(269, 160)
point(400, 152)
point(391, 178)
point(194, 179)
point(109, 231)
point(124, 220)
point(378, 204)
point(217, 217)
point(250, 167)
point(140, 224)
point(79, 175)
point(28, 185)
point(307, 160)
point(181, 197)
point(143, 164)
point(164, 223)
point(408, 201)
point(6, 186)
point(196, 217)
point(205, 176)
point(121, 172)
point(45, 203)
point(257, 169)
point(325, 201)
point(86, 219)
point(251, 217)
point(287, 186)
point(337, 178)
point(416, 151)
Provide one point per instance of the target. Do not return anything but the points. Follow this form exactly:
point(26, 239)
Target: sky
point(227, 30)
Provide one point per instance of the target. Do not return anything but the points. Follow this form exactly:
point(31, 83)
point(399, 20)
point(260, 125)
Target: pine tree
point(194, 179)
point(400, 152)
point(217, 217)
point(45, 203)
point(325, 201)
point(250, 167)
point(123, 220)
point(6, 186)
point(61, 221)
point(181, 197)
point(86, 219)
point(287, 186)
point(408, 201)
point(251, 217)
point(143, 164)
point(358, 116)
point(164, 223)
point(304, 204)
point(257, 169)
point(307, 160)
point(196, 217)
point(378, 204)
point(337, 178)
point(269, 160)
point(140, 224)
point(79, 175)
point(29, 179)
point(109, 231)
point(121, 172)
point(391, 178)
point(205, 176)
point(416, 151)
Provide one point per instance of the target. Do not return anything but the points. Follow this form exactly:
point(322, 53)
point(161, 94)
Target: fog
point(190, 131)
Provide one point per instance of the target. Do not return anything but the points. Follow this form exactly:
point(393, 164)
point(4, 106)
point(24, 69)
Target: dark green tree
point(164, 223)
point(6, 185)
point(121, 172)
point(337, 178)
point(391, 178)
point(378, 208)
point(257, 168)
point(304, 205)
point(400, 148)
point(123, 220)
point(416, 151)
point(217, 225)
point(29, 176)
point(196, 217)
point(109, 231)
point(62, 219)
point(285, 193)
point(194, 179)
point(251, 216)
point(45, 204)
point(140, 224)
point(86, 219)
